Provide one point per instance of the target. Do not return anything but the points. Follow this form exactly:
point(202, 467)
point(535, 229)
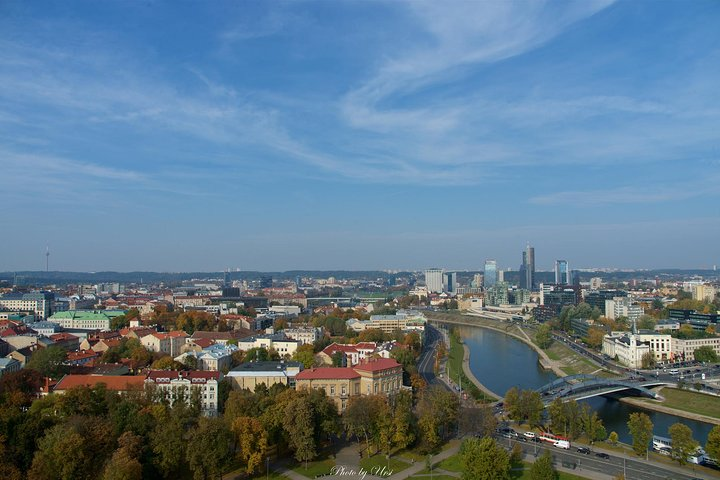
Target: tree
point(124, 464)
point(683, 443)
point(641, 430)
point(648, 360)
point(646, 322)
point(300, 427)
point(168, 446)
point(403, 420)
point(48, 361)
point(543, 337)
point(484, 459)
point(512, 403)
point(543, 468)
point(208, 448)
point(251, 441)
point(166, 363)
point(595, 337)
point(706, 353)
point(613, 438)
point(305, 354)
point(592, 424)
point(712, 447)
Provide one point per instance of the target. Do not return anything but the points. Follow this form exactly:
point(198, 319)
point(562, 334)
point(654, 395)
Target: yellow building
point(382, 376)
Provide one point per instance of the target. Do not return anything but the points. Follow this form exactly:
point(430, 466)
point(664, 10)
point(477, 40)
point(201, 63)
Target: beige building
point(251, 374)
point(685, 348)
point(630, 348)
point(382, 376)
point(157, 342)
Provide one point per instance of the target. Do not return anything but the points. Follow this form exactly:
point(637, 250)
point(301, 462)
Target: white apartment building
point(434, 280)
point(217, 357)
point(704, 292)
point(304, 335)
point(277, 341)
point(39, 303)
point(630, 348)
point(623, 307)
point(193, 385)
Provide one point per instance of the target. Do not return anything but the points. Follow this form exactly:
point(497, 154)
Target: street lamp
point(267, 468)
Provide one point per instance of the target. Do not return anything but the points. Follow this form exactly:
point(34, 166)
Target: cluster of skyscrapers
point(439, 281)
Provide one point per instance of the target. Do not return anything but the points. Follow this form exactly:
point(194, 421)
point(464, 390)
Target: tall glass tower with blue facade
point(562, 273)
point(490, 276)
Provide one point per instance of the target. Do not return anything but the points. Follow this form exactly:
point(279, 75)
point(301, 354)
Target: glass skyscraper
point(490, 277)
point(562, 273)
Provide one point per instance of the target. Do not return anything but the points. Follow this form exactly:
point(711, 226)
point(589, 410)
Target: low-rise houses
point(251, 374)
point(379, 376)
point(354, 353)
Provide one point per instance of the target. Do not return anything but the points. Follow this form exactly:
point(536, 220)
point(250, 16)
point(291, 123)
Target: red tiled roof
point(82, 354)
point(177, 333)
point(366, 346)
point(58, 337)
point(203, 342)
point(327, 373)
point(112, 382)
point(378, 364)
point(339, 347)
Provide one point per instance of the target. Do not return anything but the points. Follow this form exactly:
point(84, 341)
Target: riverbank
point(458, 363)
point(456, 319)
point(686, 398)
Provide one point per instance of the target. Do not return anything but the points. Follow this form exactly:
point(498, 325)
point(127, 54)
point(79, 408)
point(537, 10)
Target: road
point(426, 362)
point(615, 465)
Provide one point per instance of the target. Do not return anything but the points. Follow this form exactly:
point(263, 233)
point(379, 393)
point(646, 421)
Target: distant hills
point(57, 277)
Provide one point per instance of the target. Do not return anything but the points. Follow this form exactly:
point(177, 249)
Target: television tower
point(47, 258)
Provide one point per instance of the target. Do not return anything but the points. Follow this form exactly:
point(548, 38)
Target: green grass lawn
point(524, 474)
point(374, 465)
point(272, 476)
point(690, 401)
point(318, 467)
point(451, 464)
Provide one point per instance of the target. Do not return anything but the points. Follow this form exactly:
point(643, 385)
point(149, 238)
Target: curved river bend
point(500, 362)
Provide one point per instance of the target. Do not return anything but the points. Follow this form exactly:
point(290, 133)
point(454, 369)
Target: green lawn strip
point(375, 464)
point(524, 474)
point(455, 361)
point(451, 464)
point(689, 401)
point(426, 476)
point(318, 467)
point(271, 476)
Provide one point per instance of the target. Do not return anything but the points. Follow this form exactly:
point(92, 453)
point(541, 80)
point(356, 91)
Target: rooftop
point(327, 373)
point(112, 382)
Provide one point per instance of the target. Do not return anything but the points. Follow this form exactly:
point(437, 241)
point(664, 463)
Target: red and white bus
point(549, 437)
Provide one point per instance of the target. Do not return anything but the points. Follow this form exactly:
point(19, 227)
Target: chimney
point(47, 385)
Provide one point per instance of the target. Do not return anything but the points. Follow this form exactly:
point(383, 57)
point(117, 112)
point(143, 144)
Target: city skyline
point(358, 136)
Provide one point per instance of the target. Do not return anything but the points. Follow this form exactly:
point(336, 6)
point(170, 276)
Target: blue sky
point(179, 136)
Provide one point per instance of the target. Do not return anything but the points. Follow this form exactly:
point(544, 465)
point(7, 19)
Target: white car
point(529, 434)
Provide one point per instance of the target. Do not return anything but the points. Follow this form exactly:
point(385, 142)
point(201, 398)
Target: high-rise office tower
point(434, 280)
point(490, 277)
point(527, 270)
point(450, 282)
point(562, 273)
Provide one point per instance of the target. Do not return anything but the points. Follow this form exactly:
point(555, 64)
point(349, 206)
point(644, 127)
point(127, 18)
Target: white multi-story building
point(434, 280)
point(304, 335)
point(190, 386)
point(704, 292)
point(623, 307)
point(216, 357)
point(85, 319)
point(685, 348)
point(39, 303)
point(277, 341)
point(629, 348)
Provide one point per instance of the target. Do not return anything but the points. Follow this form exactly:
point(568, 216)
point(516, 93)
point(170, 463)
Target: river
point(500, 362)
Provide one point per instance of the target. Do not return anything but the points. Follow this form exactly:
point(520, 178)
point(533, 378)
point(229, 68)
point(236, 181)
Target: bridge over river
point(581, 387)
